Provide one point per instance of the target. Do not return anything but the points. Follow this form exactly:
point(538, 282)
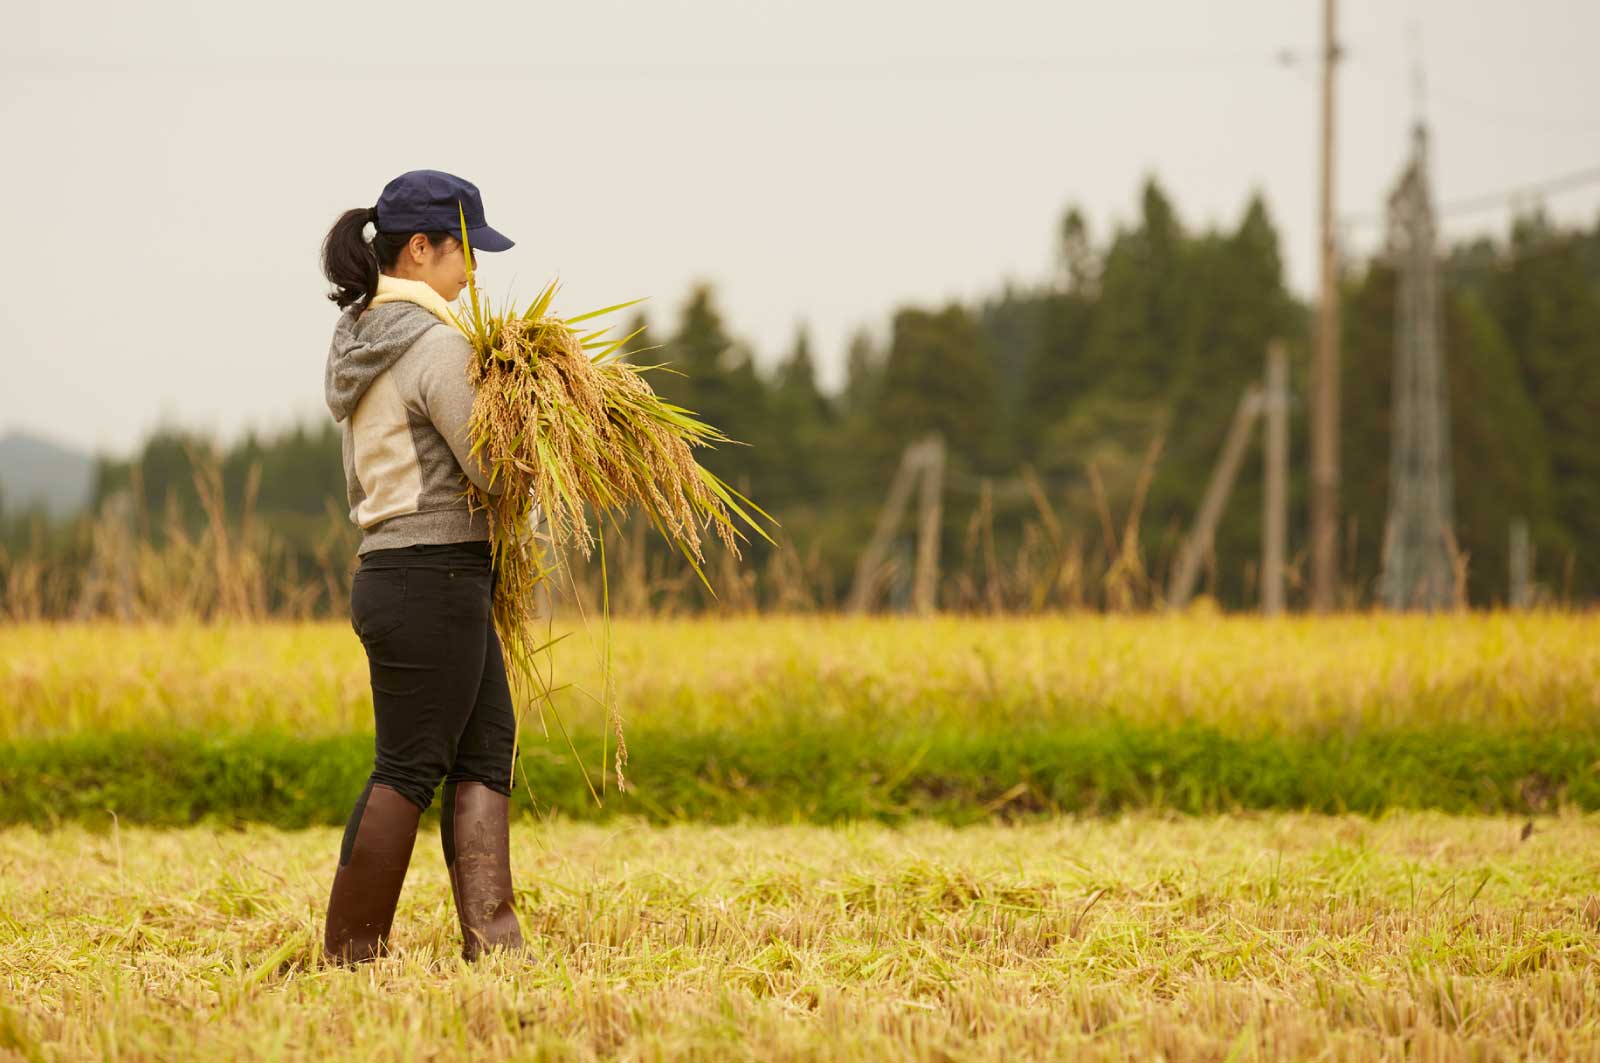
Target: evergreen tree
point(1237, 305)
point(1008, 327)
point(1140, 321)
point(1056, 372)
point(1366, 373)
point(937, 378)
point(1500, 452)
point(802, 422)
point(863, 375)
point(715, 376)
point(1547, 301)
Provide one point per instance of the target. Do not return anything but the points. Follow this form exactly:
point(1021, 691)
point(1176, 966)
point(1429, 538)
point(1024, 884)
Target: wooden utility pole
point(1521, 564)
point(924, 461)
point(1275, 515)
point(1325, 363)
point(924, 591)
point(1186, 571)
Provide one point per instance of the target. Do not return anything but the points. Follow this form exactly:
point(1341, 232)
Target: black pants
point(441, 703)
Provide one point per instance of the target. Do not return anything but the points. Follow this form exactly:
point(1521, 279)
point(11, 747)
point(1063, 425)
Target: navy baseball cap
point(421, 201)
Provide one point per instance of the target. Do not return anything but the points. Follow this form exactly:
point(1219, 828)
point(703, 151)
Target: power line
point(935, 67)
point(1576, 179)
point(1460, 105)
point(1589, 175)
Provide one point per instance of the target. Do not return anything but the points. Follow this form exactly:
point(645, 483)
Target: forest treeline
point(1081, 413)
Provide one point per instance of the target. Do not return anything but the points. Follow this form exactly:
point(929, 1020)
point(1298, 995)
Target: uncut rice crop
point(1491, 672)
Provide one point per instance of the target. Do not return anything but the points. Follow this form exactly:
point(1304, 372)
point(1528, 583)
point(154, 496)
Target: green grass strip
point(785, 775)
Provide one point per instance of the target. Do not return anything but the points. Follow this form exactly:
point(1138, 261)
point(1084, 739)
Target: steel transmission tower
point(1418, 544)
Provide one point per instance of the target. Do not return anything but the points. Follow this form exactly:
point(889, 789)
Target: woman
point(396, 381)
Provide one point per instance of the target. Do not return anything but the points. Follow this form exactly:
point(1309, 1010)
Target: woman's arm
point(444, 356)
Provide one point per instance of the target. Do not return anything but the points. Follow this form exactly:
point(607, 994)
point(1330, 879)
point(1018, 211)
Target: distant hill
point(35, 470)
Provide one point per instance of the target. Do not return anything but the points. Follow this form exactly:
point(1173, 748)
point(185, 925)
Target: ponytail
point(348, 260)
point(351, 262)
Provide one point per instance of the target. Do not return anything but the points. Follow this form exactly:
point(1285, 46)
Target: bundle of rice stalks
point(566, 425)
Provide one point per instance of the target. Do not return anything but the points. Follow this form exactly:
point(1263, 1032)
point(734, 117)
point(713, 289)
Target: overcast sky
point(170, 169)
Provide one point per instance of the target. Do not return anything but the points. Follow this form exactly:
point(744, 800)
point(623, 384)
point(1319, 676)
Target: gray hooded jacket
point(396, 382)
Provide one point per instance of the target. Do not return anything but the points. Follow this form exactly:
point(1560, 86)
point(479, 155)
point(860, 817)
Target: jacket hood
point(365, 345)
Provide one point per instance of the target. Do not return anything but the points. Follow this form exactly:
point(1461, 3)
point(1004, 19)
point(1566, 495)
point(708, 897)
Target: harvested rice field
point(1250, 936)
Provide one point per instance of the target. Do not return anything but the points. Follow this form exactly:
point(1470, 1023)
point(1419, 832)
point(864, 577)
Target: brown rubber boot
point(476, 832)
point(372, 867)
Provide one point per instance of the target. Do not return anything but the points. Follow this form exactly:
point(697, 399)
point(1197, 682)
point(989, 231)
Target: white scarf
point(400, 289)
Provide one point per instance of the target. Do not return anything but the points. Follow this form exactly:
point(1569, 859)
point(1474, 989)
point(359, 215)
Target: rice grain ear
point(559, 421)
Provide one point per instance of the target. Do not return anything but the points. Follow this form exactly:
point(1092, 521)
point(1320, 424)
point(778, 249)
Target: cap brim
point(484, 238)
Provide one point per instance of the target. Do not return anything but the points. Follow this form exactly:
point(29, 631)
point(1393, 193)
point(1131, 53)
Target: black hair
point(351, 262)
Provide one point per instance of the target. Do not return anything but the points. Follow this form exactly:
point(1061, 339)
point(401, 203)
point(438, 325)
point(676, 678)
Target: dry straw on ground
point(1142, 937)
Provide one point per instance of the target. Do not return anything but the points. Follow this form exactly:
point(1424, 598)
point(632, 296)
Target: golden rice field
point(1411, 936)
point(1504, 670)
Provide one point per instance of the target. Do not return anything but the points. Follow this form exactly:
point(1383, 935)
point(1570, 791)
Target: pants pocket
point(377, 602)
